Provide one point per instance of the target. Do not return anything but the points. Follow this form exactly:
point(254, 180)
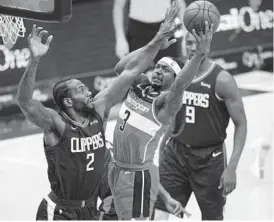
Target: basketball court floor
point(23, 169)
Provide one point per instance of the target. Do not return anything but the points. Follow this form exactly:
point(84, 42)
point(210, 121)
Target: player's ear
point(67, 102)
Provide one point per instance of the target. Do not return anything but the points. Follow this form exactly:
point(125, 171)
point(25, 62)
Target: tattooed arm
point(33, 109)
point(171, 102)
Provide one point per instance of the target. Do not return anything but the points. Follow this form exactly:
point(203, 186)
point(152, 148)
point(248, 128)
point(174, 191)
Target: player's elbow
point(20, 101)
point(23, 105)
point(23, 102)
point(241, 121)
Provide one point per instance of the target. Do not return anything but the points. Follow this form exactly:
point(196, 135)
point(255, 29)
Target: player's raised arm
point(135, 65)
point(171, 102)
point(33, 109)
point(120, 66)
point(121, 44)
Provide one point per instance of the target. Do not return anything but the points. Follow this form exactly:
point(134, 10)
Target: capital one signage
point(14, 58)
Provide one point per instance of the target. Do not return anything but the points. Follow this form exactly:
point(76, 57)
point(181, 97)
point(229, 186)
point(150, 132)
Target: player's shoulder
point(56, 116)
point(224, 78)
point(53, 112)
point(226, 86)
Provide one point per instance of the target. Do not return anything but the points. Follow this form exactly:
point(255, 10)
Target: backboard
point(41, 10)
point(12, 13)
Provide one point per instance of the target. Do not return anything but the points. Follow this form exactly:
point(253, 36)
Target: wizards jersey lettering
point(137, 131)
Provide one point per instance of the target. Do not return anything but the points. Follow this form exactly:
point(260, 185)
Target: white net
point(11, 28)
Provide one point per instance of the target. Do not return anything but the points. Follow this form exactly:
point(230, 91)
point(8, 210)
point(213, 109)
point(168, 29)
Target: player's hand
point(37, 48)
point(169, 26)
point(174, 207)
point(204, 40)
point(166, 43)
point(121, 48)
point(228, 180)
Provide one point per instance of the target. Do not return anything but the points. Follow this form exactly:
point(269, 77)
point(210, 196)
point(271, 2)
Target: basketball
point(197, 13)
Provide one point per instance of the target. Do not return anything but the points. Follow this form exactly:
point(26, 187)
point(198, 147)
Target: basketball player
point(194, 158)
point(145, 113)
point(74, 140)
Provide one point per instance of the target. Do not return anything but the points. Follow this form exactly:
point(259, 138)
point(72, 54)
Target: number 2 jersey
point(137, 131)
point(76, 162)
point(203, 119)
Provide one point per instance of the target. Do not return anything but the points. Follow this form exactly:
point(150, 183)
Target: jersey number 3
point(190, 114)
point(122, 126)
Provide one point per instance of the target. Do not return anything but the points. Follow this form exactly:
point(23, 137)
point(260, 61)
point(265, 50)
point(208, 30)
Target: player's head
point(165, 72)
point(189, 44)
point(71, 94)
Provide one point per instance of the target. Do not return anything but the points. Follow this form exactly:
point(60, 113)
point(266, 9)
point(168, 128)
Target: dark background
point(84, 48)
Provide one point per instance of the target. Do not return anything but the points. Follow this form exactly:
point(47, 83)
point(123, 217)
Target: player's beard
point(87, 108)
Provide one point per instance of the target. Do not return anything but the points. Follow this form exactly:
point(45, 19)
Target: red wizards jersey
point(203, 119)
point(137, 131)
point(76, 163)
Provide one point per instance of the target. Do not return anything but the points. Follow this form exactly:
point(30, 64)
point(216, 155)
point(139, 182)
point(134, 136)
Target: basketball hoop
point(11, 28)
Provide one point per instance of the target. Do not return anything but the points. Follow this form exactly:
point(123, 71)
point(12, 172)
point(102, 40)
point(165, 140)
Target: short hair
point(60, 91)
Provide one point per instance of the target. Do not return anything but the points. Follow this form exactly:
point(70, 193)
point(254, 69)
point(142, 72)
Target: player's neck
point(206, 64)
point(77, 117)
point(154, 88)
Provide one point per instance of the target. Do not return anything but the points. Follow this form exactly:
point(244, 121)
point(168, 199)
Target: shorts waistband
point(133, 167)
point(195, 147)
point(70, 203)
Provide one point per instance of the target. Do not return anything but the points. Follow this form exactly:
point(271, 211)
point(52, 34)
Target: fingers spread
point(33, 30)
point(211, 27)
point(195, 34)
point(206, 27)
point(49, 40)
point(38, 30)
point(42, 33)
point(172, 41)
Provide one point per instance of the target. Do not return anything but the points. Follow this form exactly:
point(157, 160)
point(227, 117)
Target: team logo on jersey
point(205, 85)
point(93, 122)
point(79, 145)
point(196, 99)
point(136, 105)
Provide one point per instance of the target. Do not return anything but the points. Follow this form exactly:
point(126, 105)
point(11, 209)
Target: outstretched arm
point(34, 110)
point(137, 64)
point(171, 102)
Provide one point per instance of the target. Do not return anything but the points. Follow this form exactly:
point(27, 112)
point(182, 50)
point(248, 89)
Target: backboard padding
point(33, 5)
point(41, 10)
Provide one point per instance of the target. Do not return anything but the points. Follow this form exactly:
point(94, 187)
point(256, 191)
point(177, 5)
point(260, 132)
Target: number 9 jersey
point(203, 118)
point(137, 131)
